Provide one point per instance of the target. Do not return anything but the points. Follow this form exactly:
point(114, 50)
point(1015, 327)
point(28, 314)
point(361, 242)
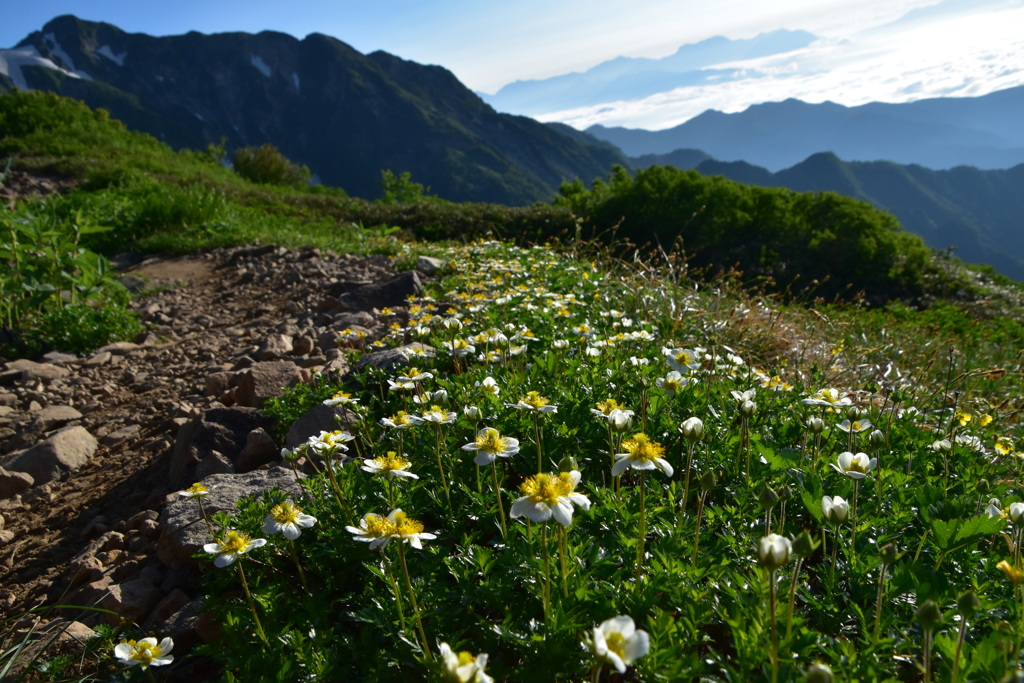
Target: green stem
point(415, 604)
point(546, 588)
point(536, 436)
point(298, 565)
point(440, 466)
point(252, 605)
point(792, 598)
point(959, 648)
point(878, 603)
point(394, 587)
point(501, 505)
point(562, 560)
point(643, 525)
point(696, 533)
point(686, 484)
point(774, 653)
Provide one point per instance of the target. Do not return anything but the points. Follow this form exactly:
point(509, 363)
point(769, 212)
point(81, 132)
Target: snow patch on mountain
point(111, 55)
point(12, 62)
point(258, 62)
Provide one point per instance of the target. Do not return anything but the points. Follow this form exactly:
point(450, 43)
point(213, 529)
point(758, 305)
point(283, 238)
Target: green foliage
point(400, 189)
point(81, 328)
point(823, 242)
point(266, 165)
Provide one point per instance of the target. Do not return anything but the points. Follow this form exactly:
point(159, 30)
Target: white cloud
point(948, 56)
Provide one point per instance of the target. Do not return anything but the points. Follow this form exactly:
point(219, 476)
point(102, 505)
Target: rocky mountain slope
point(344, 114)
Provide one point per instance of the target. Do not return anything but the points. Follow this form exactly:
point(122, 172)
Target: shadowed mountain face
point(344, 114)
point(937, 133)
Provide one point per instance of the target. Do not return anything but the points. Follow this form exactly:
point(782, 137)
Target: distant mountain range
point(627, 78)
point(980, 213)
point(344, 114)
point(941, 133)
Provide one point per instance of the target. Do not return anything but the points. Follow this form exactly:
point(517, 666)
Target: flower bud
point(820, 673)
point(876, 438)
point(889, 554)
point(854, 413)
point(983, 487)
point(708, 481)
point(968, 604)
point(453, 324)
point(836, 509)
point(804, 544)
point(815, 425)
point(471, 412)
point(1017, 513)
point(568, 464)
point(929, 616)
point(768, 497)
point(692, 428)
point(748, 408)
point(774, 551)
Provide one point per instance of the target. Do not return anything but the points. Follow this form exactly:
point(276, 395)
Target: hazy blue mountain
point(979, 212)
point(344, 114)
point(628, 78)
point(938, 133)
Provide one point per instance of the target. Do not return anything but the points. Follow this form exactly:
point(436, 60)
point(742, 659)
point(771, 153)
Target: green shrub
point(266, 165)
point(81, 329)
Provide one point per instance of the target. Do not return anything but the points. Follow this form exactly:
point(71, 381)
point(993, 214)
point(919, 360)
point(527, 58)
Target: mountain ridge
point(344, 114)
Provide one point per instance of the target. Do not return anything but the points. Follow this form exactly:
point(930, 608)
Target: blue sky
point(881, 50)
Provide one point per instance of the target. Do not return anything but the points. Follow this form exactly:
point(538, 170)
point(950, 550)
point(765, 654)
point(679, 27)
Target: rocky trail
point(94, 450)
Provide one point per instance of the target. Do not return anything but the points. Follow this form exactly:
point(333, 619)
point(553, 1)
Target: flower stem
point(415, 605)
point(298, 565)
point(440, 466)
point(394, 587)
point(696, 533)
point(562, 561)
point(792, 598)
point(252, 605)
point(536, 436)
point(774, 653)
point(686, 485)
point(878, 603)
point(643, 525)
point(546, 588)
point(501, 505)
point(206, 518)
point(959, 648)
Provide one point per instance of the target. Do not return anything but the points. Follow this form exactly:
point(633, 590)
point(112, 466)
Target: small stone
point(13, 483)
point(121, 435)
point(52, 417)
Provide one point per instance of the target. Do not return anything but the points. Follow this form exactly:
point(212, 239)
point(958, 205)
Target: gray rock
point(183, 532)
point(121, 435)
point(388, 358)
point(391, 292)
point(62, 452)
point(131, 600)
point(319, 418)
point(23, 370)
point(275, 346)
point(428, 265)
point(52, 417)
point(220, 431)
point(264, 380)
point(13, 483)
point(260, 449)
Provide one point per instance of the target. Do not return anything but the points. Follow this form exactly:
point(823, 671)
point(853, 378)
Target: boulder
point(266, 379)
point(259, 449)
point(378, 295)
point(13, 483)
point(319, 418)
point(62, 452)
point(183, 531)
point(52, 417)
point(216, 434)
point(429, 265)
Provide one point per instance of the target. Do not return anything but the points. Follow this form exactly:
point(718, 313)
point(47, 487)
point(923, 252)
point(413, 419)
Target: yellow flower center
point(378, 527)
point(855, 466)
point(616, 643)
point(391, 462)
point(142, 651)
point(234, 543)
point(608, 406)
point(641, 448)
point(466, 658)
point(1014, 574)
point(490, 442)
point(401, 418)
point(197, 489)
point(534, 400)
point(543, 488)
point(342, 395)
point(406, 526)
point(684, 358)
point(286, 513)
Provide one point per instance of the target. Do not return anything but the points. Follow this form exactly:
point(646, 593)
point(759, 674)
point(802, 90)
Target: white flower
point(774, 551)
point(620, 420)
point(391, 465)
point(994, 508)
point(534, 402)
point(463, 667)
point(373, 529)
point(232, 546)
point(857, 426)
point(619, 643)
point(683, 360)
point(400, 420)
point(836, 509)
point(329, 443)
point(1017, 513)
point(286, 518)
point(431, 398)
point(741, 396)
point(855, 466)
point(692, 428)
point(409, 530)
point(435, 415)
point(413, 375)
point(197, 490)
point(641, 454)
point(550, 495)
point(145, 653)
point(831, 398)
point(340, 399)
point(673, 382)
point(490, 444)
point(489, 387)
